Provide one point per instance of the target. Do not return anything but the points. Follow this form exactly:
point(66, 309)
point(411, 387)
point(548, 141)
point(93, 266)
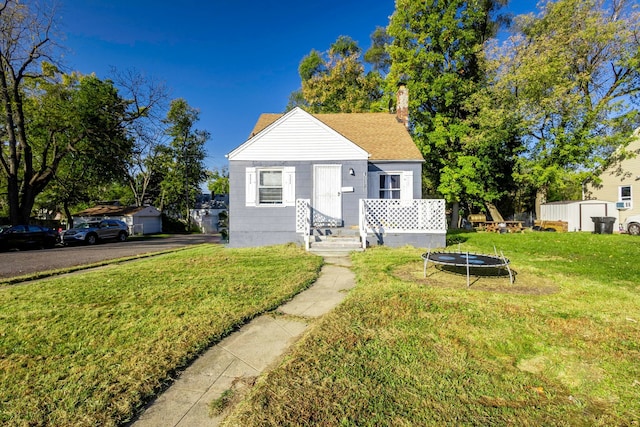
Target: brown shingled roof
point(109, 210)
point(380, 134)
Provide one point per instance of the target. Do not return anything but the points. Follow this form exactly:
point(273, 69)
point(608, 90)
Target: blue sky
point(231, 60)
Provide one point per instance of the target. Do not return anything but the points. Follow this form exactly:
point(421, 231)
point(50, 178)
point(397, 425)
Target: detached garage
point(140, 219)
point(578, 213)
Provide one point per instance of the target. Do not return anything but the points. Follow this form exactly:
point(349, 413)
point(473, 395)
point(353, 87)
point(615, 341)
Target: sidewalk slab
point(247, 353)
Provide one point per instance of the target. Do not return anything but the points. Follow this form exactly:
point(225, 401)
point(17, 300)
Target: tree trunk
point(13, 198)
point(455, 215)
point(541, 197)
point(67, 213)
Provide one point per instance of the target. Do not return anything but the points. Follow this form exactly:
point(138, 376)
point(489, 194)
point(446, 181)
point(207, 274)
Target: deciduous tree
point(437, 50)
point(574, 74)
point(337, 82)
point(149, 98)
point(49, 117)
point(185, 158)
point(218, 182)
point(25, 41)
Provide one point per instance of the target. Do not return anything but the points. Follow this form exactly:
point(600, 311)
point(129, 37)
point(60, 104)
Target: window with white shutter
point(270, 186)
point(390, 185)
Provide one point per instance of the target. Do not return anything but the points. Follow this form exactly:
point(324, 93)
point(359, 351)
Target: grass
point(561, 346)
point(91, 348)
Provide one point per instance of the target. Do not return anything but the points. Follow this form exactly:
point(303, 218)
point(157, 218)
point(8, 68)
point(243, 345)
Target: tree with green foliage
point(377, 55)
point(52, 123)
point(24, 44)
point(437, 51)
point(573, 74)
point(218, 182)
point(336, 82)
point(71, 122)
point(184, 160)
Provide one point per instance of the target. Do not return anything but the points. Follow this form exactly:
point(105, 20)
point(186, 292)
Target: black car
point(27, 236)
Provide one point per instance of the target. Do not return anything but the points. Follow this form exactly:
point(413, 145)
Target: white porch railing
point(303, 220)
point(380, 216)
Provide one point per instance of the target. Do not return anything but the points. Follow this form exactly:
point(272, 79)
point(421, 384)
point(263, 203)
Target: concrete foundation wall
point(418, 240)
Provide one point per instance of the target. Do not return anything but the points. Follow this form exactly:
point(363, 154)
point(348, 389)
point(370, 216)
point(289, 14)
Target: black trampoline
point(473, 263)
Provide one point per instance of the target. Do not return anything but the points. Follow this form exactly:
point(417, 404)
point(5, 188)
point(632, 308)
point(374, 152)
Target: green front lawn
point(561, 346)
point(88, 349)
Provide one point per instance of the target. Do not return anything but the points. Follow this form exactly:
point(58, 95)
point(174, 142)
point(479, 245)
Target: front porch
point(390, 222)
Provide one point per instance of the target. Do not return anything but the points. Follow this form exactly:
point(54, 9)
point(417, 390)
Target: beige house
point(621, 183)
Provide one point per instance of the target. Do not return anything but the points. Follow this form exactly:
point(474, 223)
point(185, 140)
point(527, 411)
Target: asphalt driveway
point(18, 263)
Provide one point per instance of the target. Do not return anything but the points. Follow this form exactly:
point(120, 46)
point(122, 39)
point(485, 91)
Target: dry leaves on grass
point(525, 282)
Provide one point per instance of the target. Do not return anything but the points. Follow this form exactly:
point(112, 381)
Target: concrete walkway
point(247, 353)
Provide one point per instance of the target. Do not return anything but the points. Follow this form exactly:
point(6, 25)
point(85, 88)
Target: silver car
point(92, 232)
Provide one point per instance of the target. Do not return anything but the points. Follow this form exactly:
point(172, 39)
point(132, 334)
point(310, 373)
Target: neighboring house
point(206, 213)
point(207, 219)
point(300, 174)
point(140, 219)
point(621, 184)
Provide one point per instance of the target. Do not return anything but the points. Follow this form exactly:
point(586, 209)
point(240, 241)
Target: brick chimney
point(402, 104)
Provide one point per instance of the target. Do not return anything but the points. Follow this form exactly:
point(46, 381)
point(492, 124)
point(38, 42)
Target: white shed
point(578, 213)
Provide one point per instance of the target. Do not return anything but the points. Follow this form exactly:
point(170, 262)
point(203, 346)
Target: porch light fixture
point(352, 172)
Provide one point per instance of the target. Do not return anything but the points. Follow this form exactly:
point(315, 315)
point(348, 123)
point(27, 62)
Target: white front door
point(327, 195)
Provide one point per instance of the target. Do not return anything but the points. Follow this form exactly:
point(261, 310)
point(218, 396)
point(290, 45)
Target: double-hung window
point(396, 185)
point(270, 187)
point(389, 186)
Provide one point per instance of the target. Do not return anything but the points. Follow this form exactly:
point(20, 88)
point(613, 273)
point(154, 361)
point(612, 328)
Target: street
point(18, 263)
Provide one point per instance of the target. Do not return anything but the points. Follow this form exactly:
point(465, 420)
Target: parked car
point(92, 232)
point(632, 225)
point(27, 236)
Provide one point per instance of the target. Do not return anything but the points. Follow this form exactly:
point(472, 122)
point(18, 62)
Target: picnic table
point(508, 226)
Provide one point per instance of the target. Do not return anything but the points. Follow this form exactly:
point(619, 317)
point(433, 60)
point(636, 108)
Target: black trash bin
point(603, 224)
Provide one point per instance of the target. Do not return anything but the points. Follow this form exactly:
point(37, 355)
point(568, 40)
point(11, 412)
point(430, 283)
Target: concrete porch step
point(334, 244)
point(322, 232)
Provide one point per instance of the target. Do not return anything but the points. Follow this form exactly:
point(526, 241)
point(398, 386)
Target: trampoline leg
point(468, 285)
point(426, 261)
point(508, 269)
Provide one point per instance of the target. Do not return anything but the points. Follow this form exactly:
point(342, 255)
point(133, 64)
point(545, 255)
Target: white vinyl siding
point(298, 136)
point(270, 186)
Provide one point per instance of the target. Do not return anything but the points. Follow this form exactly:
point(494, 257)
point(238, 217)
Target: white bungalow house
point(301, 176)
